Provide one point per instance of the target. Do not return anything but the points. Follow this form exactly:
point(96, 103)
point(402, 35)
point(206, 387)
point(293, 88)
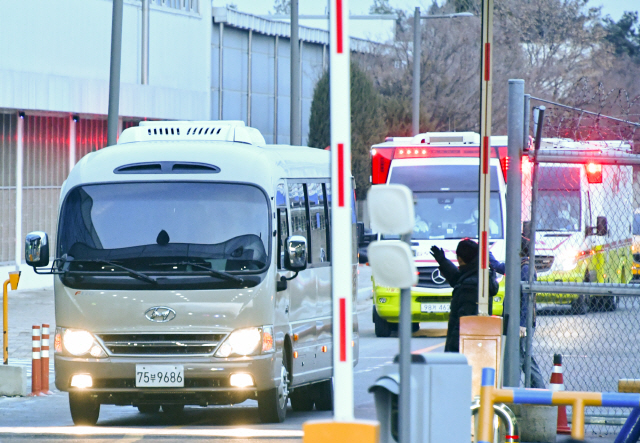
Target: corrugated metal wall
point(46, 166)
point(8, 138)
point(91, 135)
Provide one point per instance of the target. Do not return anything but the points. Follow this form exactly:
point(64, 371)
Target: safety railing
point(489, 395)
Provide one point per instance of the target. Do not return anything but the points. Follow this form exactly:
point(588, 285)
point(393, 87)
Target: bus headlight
point(248, 341)
point(78, 343)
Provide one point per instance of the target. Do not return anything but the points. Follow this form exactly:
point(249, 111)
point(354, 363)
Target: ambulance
point(442, 171)
point(584, 221)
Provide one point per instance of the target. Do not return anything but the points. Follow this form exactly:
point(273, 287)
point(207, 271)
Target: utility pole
point(295, 116)
point(114, 75)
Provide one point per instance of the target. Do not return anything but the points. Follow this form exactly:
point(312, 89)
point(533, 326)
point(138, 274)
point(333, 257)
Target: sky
point(384, 29)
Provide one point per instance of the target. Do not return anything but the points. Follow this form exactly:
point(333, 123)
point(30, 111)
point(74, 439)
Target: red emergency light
point(594, 173)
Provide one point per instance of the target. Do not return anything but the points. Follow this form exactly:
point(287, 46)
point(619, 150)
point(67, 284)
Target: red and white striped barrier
point(36, 365)
point(557, 384)
point(44, 361)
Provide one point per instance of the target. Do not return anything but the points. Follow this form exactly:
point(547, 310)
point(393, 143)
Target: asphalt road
point(45, 419)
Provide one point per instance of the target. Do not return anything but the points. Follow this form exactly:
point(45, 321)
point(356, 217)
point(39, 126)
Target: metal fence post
point(114, 75)
point(515, 127)
point(295, 117)
point(417, 38)
point(532, 247)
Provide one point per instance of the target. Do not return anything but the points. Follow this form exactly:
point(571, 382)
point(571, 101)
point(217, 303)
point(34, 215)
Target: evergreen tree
point(367, 123)
point(624, 35)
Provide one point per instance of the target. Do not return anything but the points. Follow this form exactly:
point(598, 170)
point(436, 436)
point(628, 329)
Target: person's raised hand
point(438, 253)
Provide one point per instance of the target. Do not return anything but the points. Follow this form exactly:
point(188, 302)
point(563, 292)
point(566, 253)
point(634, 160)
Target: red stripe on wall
point(341, 175)
point(487, 62)
point(339, 26)
point(343, 329)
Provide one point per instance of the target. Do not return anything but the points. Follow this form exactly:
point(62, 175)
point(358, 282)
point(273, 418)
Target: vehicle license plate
point(435, 307)
point(159, 376)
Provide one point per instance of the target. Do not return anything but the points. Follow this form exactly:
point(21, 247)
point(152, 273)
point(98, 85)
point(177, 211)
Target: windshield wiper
point(219, 274)
point(131, 272)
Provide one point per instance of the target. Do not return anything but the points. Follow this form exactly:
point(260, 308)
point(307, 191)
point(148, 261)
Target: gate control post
point(14, 278)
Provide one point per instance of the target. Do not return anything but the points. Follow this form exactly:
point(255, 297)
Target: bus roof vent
point(453, 138)
point(225, 130)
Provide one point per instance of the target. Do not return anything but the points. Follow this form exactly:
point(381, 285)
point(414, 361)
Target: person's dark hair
point(524, 246)
point(467, 250)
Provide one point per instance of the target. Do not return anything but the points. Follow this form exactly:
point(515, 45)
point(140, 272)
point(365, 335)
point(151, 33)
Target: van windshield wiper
point(131, 272)
point(219, 274)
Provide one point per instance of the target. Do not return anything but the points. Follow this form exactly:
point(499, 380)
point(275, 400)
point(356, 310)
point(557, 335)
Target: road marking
point(429, 349)
point(97, 430)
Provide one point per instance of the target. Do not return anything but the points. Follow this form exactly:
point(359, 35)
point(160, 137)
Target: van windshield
point(447, 201)
point(558, 198)
point(180, 234)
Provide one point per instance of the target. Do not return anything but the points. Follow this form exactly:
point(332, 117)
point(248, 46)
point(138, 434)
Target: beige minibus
point(193, 267)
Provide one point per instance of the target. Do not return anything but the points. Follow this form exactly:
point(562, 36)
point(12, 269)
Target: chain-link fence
point(580, 206)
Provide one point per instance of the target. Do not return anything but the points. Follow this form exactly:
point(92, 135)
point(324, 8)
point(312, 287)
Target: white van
point(584, 221)
point(441, 168)
point(193, 267)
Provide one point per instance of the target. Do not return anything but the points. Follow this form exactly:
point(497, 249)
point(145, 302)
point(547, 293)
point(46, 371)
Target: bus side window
point(283, 233)
point(327, 211)
point(298, 208)
point(318, 223)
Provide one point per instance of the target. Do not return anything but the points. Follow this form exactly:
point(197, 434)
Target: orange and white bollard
point(557, 384)
point(36, 366)
point(44, 361)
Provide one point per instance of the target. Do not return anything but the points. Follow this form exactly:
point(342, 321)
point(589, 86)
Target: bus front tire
point(272, 403)
point(580, 306)
point(382, 327)
point(84, 409)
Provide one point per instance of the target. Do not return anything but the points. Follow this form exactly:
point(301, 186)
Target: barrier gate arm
point(577, 400)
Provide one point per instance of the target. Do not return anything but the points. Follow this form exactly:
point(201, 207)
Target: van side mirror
point(295, 254)
point(363, 256)
point(601, 229)
point(36, 249)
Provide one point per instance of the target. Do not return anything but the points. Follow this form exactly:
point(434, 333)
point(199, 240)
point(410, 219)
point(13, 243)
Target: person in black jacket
point(464, 281)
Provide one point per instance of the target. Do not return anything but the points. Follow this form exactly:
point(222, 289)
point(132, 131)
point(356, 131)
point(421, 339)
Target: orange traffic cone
point(557, 384)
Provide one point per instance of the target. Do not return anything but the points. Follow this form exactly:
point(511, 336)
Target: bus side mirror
point(360, 230)
point(295, 255)
point(36, 249)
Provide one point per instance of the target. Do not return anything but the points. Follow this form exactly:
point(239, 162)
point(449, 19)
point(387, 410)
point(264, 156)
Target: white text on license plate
point(434, 307)
point(159, 376)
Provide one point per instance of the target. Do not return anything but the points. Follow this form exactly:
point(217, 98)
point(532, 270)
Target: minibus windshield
point(157, 234)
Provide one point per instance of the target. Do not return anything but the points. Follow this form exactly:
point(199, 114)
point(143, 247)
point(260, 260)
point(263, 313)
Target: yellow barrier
point(578, 400)
point(14, 278)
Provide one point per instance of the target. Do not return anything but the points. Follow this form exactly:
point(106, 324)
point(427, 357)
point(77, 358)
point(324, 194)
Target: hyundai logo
point(160, 314)
point(437, 277)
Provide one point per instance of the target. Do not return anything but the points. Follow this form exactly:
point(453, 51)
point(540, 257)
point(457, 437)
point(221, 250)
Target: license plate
point(435, 307)
point(159, 376)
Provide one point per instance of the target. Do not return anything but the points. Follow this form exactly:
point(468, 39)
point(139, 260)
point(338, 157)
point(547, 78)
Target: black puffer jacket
point(464, 299)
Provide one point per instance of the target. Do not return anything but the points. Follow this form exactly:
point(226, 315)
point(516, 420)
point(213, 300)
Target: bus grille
point(161, 344)
point(544, 263)
point(426, 278)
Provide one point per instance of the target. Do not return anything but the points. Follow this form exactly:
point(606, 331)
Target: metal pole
point(220, 70)
point(527, 120)
point(417, 38)
point(145, 44)
point(404, 409)
point(532, 247)
point(515, 124)
point(275, 93)
point(114, 75)
point(249, 78)
point(295, 116)
point(19, 176)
